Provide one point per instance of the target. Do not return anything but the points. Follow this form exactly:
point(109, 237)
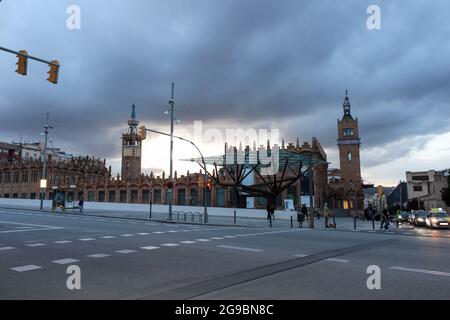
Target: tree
point(446, 193)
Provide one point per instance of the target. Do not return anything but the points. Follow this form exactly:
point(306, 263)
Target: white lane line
point(32, 245)
point(6, 248)
point(435, 273)
point(86, 239)
point(149, 248)
point(24, 227)
point(371, 231)
point(62, 241)
point(217, 238)
point(26, 268)
point(98, 255)
point(300, 255)
point(187, 242)
point(158, 232)
point(172, 231)
point(170, 244)
point(65, 261)
point(126, 235)
point(126, 251)
point(241, 248)
point(108, 237)
point(229, 237)
point(408, 233)
point(143, 233)
point(202, 240)
point(337, 260)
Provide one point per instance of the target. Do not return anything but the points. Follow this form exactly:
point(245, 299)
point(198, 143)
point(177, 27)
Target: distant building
point(346, 192)
point(424, 188)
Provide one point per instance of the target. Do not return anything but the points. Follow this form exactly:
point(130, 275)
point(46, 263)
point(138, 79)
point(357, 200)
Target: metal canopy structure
point(276, 170)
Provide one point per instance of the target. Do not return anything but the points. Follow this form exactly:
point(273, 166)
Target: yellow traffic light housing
point(142, 132)
point(22, 64)
point(54, 72)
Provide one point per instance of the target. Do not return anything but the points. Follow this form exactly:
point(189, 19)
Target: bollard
point(292, 223)
point(354, 223)
point(185, 217)
point(178, 217)
point(199, 218)
point(234, 216)
point(192, 217)
point(270, 220)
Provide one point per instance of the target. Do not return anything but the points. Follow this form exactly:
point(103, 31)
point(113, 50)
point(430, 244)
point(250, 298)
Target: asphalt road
point(132, 259)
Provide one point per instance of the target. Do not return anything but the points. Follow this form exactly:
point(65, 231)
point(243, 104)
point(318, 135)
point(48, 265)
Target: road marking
point(217, 238)
point(149, 248)
point(158, 232)
point(229, 237)
point(436, 273)
point(172, 231)
point(170, 244)
point(371, 231)
point(187, 242)
point(241, 248)
point(408, 233)
point(126, 235)
point(300, 255)
point(108, 237)
point(143, 233)
point(126, 251)
point(337, 260)
point(6, 248)
point(32, 245)
point(62, 241)
point(202, 240)
point(24, 227)
point(65, 261)
point(26, 268)
point(86, 239)
point(98, 255)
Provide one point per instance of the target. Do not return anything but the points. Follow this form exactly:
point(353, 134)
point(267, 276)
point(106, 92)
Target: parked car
point(419, 218)
point(437, 219)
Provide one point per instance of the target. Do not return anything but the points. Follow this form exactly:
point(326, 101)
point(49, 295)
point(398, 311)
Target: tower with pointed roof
point(131, 149)
point(349, 157)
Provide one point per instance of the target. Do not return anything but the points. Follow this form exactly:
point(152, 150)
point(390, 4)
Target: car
point(419, 218)
point(437, 219)
point(402, 216)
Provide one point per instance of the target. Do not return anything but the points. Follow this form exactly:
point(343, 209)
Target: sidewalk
point(342, 223)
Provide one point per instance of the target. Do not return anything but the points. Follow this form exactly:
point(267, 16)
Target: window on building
point(194, 197)
point(33, 195)
point(8, 177)
point(6, 195)
point(1, 177)
point(23, 196)
point(90, 196)
point(418, 188)
point(134, 196)
point(33, 176)
point(181, 197)
point(101, 196)
point(145, 196)
point(15, 195)
point(123, 196)
point(349, 156)
point(157, 196)
point(16, 176)
point(25, 176)
point(348, 132)
point(112, 196)
point(220, 197)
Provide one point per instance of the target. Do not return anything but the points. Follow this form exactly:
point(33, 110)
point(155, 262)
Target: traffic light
point(22, 64)
point(142, 132)
point(54, 72)
point(208, 185)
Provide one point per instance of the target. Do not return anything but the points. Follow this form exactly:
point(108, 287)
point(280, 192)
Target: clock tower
point(131, 149)
point(349, 158)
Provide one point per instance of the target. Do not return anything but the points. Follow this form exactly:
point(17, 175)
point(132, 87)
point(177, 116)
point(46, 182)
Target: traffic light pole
point(205, 202)
point(44, 162)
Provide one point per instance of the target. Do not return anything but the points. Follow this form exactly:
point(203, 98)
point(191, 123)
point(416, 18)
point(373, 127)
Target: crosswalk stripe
point(65, 261)
point(26, 268)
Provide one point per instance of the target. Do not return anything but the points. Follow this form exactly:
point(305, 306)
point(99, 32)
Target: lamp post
point(43, 182)
point(170, 195)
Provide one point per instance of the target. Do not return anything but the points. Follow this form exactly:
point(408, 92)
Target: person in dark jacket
point(81, 204)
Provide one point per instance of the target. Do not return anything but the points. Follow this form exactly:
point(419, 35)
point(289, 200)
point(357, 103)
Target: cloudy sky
point(237, 64)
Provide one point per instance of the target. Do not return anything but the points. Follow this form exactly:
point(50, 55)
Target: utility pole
point(170, 190)
point(43, 182)
point(311, 199)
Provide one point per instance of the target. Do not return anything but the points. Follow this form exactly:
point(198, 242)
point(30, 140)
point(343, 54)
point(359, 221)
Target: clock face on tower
point(131, 152)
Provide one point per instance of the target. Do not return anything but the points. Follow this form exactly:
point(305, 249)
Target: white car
point(437, 219)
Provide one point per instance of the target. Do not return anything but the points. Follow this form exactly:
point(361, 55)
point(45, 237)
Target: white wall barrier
point(127, 207)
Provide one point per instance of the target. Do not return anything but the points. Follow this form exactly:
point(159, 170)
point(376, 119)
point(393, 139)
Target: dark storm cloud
point(239, 63)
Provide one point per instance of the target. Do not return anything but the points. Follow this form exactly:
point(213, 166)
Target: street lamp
point(170, 191)
point(43, 184)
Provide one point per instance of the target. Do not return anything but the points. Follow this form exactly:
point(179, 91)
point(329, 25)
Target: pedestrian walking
point(326, 214)
point(269, 209)
point(272, 212)
point(81, 204)
point(300, 216)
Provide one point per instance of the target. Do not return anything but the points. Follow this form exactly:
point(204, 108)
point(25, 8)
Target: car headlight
point(420, 220)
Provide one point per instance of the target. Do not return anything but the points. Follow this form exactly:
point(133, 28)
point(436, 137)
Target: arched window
point(349, 156)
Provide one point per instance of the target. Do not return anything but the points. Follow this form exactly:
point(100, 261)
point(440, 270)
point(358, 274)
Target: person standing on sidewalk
point(326, 214)
point(81, 204)
point(300, 216)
